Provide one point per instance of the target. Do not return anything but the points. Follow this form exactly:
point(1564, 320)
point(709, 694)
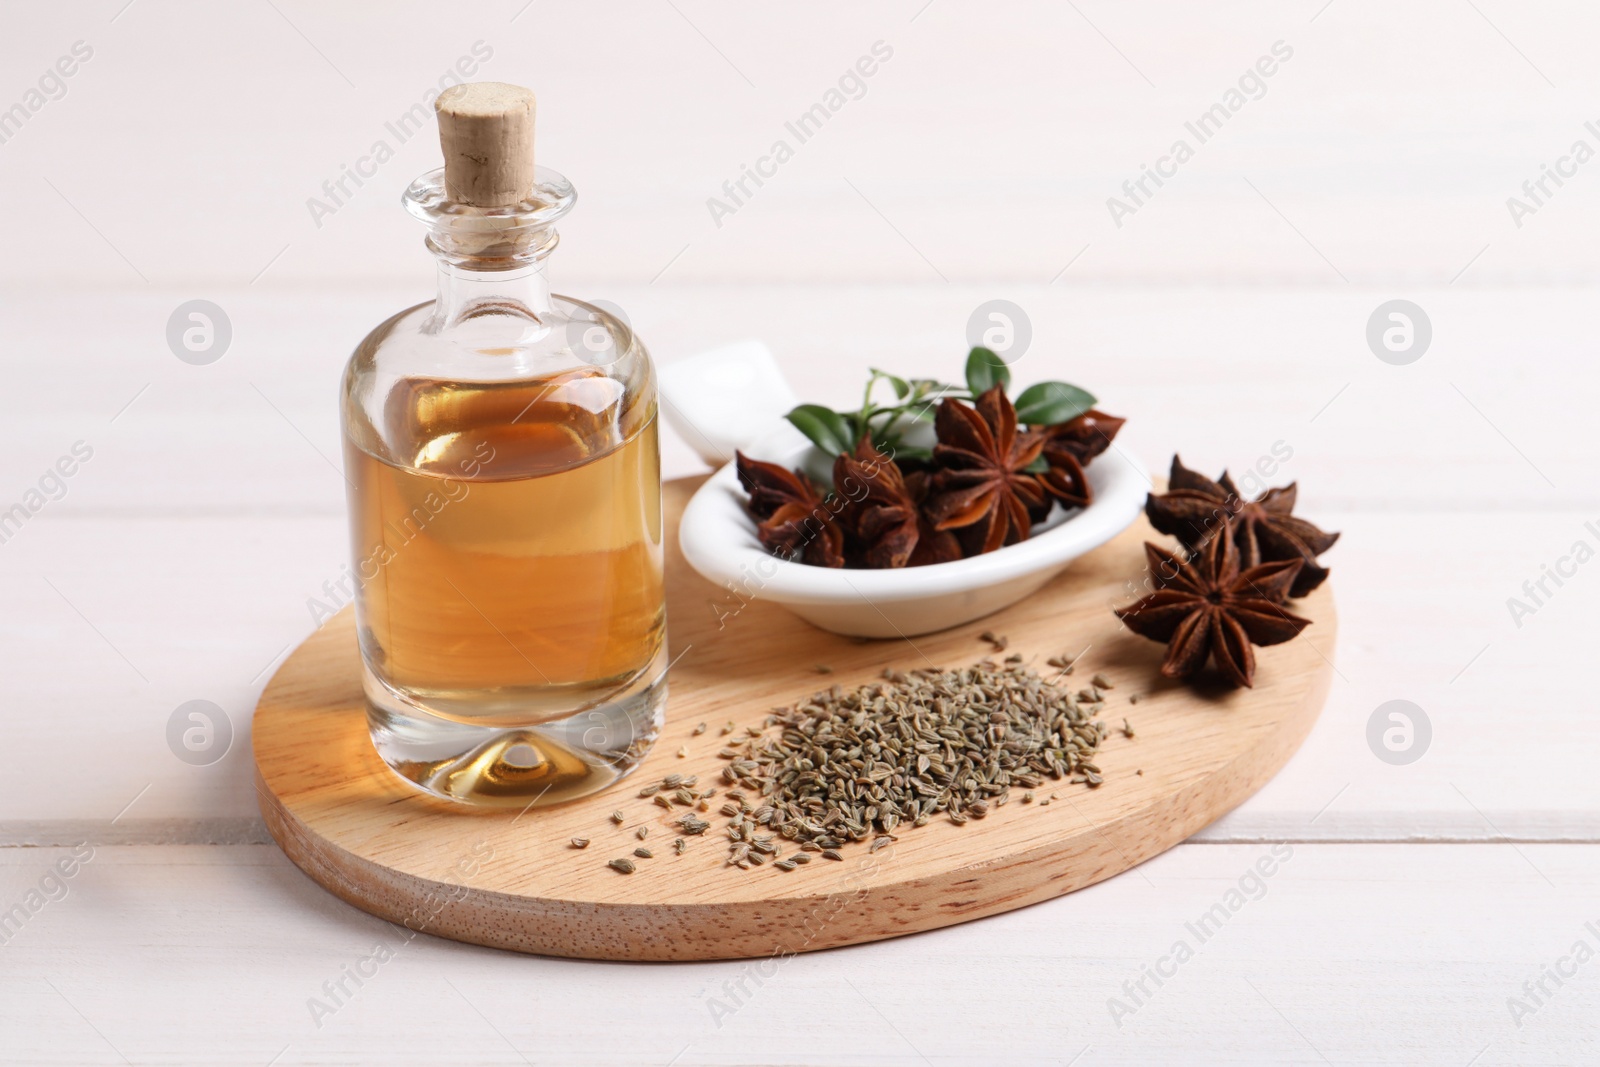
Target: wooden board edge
point(788, 925)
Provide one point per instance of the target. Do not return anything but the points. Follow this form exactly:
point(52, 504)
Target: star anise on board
point(793, 519)
point(1208, 606)
point(882, 514)
point(982, 486)
point(1195, 507)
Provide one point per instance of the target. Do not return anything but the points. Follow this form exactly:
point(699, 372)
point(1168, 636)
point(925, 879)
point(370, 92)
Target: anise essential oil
point(505, 496)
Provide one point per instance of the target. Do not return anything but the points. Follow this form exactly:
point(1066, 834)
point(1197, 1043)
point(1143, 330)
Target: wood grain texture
point(513, 881)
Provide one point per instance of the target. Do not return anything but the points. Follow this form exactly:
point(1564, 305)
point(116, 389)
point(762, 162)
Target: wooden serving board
point(512, 880)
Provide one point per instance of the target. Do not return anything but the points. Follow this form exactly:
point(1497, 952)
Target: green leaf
point(985, 370)
point(902, 388)
point(1038, 466)
point(1047, 403)
point(827, 429)
point(853, 426)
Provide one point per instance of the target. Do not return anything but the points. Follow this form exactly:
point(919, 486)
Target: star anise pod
point(1195, 507)
point(1086, 436)
point(793, 519)
point(878, 515)
point(933, 545)
point(1068, 446)
point(882, 514)
point(1209, 606)
point(982, 486)
point(1064, 477)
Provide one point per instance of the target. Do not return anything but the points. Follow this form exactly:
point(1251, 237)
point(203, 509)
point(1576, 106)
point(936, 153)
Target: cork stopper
point(486, 132)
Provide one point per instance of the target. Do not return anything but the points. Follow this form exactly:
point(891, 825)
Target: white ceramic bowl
point(719, 541)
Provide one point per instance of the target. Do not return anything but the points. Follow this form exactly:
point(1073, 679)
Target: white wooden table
point(1446, 911)
point(1417, 899)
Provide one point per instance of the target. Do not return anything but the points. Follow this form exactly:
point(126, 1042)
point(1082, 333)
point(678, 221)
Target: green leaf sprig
point(917, 400)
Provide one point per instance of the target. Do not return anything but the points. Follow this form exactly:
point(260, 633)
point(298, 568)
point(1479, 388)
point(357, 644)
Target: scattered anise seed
point(643, 853)
point(616, 817)
point(1127, 728)
point(642, 832)
point(698, 730)
point(623, 866)
point(1099, 681)
point(580, 842)
point(822, 668)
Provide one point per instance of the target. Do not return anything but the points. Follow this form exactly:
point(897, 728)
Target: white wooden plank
point(991, 140)
point(1494, 415)
point(1342, 953)
point(111, 625)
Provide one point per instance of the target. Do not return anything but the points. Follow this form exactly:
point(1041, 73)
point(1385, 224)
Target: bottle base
point(522, 766)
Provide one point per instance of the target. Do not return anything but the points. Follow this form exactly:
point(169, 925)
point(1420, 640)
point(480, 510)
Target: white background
point(1226, 315)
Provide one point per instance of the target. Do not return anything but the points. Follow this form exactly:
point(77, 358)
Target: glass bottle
point(505, 502)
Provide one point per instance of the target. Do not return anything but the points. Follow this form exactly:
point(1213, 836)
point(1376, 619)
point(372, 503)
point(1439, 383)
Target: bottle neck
point(492, 261)
point(466, 293)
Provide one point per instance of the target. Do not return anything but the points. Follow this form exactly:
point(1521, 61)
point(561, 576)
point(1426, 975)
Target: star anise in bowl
point(983, 485)
point(995, 470)
point(794, 519)
point(883, 512)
